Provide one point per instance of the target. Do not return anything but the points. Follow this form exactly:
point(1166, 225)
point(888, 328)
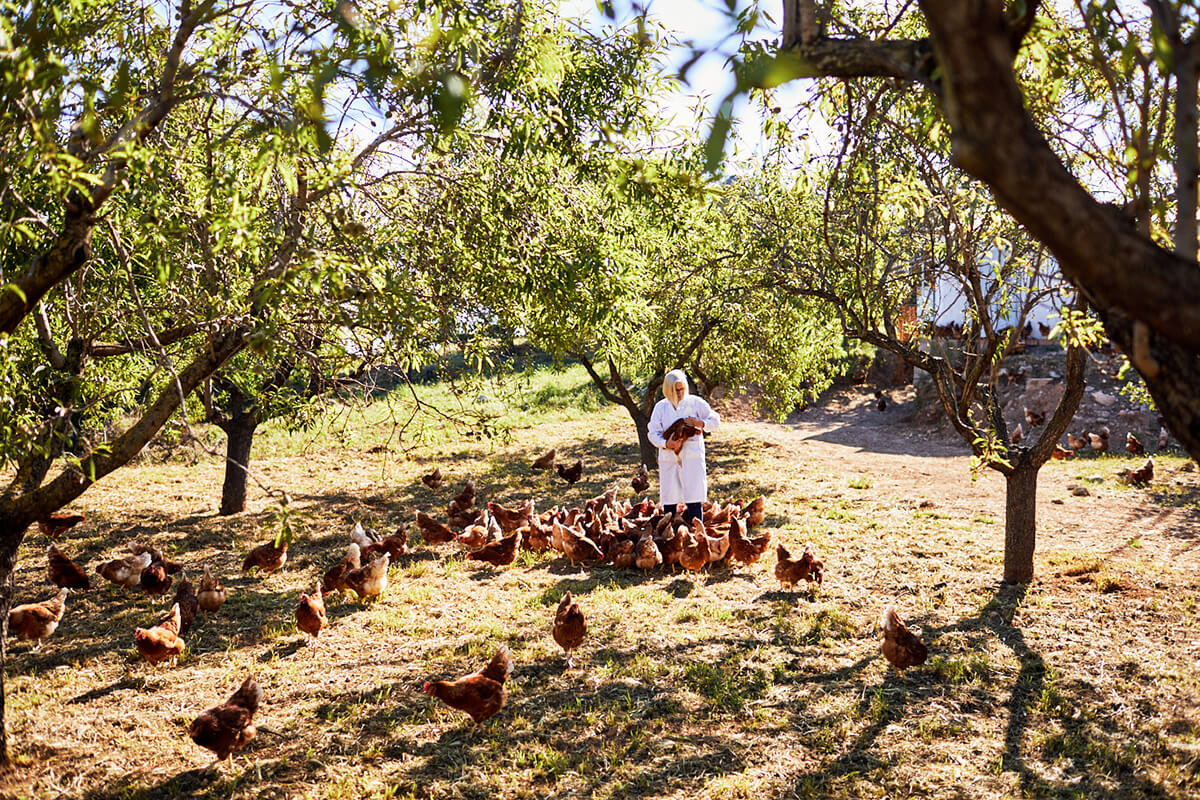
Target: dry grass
point(1082, 685)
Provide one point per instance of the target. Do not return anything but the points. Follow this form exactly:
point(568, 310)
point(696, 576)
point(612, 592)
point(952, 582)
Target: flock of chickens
point(623, 534)
point(1097, 442)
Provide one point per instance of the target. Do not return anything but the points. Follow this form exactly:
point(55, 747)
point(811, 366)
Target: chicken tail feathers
point(499, 667)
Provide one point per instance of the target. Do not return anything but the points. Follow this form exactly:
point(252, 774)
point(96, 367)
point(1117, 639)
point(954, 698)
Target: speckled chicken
point(125, 571)
point(371, 579)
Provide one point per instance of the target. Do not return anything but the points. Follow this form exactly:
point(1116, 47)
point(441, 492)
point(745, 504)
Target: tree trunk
point(1020, 523)
point(648, 452)
point(239, 429)
point(8, 562)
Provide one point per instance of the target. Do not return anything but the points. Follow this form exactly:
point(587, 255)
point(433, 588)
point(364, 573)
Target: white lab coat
point(683, 479)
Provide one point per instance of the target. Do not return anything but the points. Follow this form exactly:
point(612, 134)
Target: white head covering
point(673, 377)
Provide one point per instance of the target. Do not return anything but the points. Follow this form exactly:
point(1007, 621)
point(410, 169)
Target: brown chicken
point(743, 547)
point(1018, 435)
point(266, 557)
point(35, 621)
point(360, 537)
point(718, 546)
point(576, 546)
point(510, 519)
point(154, 579)
point(1133, 445)
point(789, 571)
point(156, 555)
point(570, 474)
point(371, 579)
point(622, 554)
point(334, 579)
point(480, 694)
point(1059, 453)
point(63, 572)
point(310, 614)
point(162, 641)
point(755, 512)
point(126, 571)
point(464, 499)
point(647, 554)
point(569, 626)
point(228, 727)
point(57, 523)
point(188, 602)
point(641, 480)
point(498, 554)
point(535, 537)
point(1034, 418)
point(1076, 443)
point(545, 461)
point(395, 545)
point(900, 647)
point(1099, 441)
point(212, 594)
point(1143, 474)
point(432, 531)
point(433, 479)
point(694, 554)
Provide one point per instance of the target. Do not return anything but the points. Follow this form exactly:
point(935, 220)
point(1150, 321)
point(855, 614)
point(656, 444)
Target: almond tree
point(965, 56)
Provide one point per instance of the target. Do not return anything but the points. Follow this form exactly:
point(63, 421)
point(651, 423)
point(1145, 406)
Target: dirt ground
point(1084, 684)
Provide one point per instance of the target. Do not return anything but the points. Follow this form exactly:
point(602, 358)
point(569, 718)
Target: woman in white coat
point(682, 476)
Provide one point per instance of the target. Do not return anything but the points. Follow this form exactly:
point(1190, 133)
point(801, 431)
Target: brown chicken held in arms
point(162, 641)
point(267, 557)
point(1133, 445)
point(641, 481)
point(56, 524)
point(126, 571)
point(370, 580)
point(900, 647)
point(63, 572)
point(433, 479)
point(212, 593)
point(36, 621)
point(228, 727)
point(498, 554)
point(188, 602)
point(432, 531)
point(571, 474)
point(545, 461)
point(569, 626)
point(743, 547)
point(480, 694)
point(310, 614)
point(789, 571)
